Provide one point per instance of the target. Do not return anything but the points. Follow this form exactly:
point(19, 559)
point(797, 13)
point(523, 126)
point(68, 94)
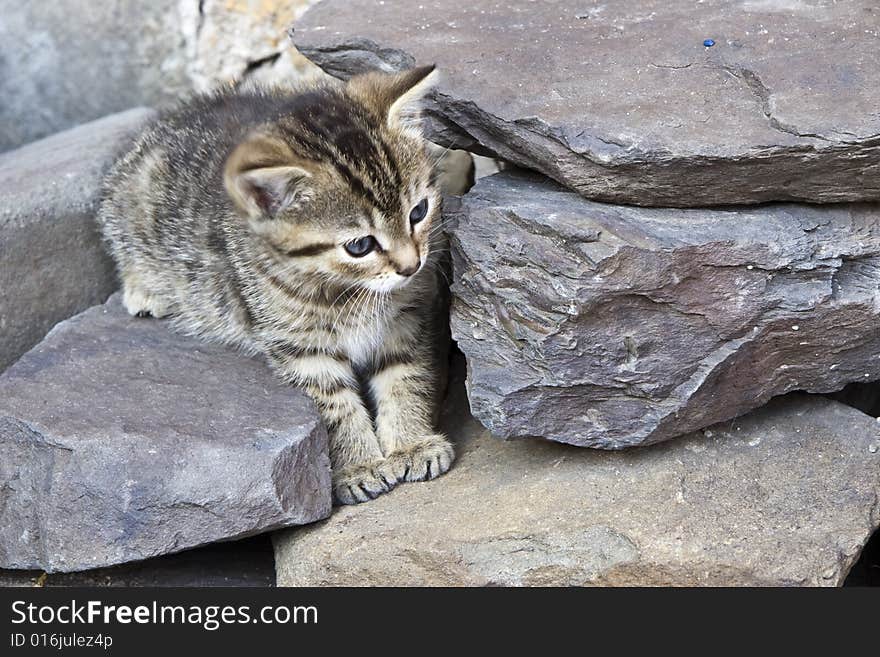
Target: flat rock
point(787, 495)
point(122, 441)
point(623, 102)
point(52, 262)
point(640, 324)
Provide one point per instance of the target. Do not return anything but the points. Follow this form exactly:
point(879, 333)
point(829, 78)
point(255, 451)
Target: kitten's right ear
point(263, 176)
point(395, 97)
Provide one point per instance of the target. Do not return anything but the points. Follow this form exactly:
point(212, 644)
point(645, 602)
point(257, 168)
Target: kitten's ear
point(263, 176)
point(395, 96)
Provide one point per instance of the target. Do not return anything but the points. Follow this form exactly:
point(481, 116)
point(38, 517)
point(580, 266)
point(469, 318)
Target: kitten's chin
point(389, 284)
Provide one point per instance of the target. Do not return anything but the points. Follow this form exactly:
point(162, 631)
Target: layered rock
point(624, 102)
point(122, 441)
point(611, 326)
point(784, 496)
point(52, 263)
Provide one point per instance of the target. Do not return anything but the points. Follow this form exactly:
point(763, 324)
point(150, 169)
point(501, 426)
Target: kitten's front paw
point(361, 483)
point(143, 304)
point(421, 460)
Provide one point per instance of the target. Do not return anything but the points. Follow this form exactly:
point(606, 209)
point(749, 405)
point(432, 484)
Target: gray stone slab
point(623, 102)
point(123, 441)
point(610, 326)
point(52, 262)
point(785, 496)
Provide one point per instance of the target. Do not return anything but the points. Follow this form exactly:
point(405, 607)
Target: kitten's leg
point(403, 383)
point(359, 471)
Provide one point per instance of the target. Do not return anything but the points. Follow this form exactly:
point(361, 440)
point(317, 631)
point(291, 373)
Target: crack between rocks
point(671, 66)
point(846, 563)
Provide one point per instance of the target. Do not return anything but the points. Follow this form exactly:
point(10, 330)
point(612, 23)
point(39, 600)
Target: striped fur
point(230, 217)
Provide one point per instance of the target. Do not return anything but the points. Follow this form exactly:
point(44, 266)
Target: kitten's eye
point(360, 247)
point(419, 212)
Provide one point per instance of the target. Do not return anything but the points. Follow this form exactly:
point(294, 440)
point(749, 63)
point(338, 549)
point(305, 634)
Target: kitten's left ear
point(395, 96)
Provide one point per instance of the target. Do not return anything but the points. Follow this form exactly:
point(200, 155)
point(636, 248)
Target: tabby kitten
point(301, 225)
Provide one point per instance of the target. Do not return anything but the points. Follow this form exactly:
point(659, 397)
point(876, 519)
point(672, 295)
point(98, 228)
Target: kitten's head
point(342, 185)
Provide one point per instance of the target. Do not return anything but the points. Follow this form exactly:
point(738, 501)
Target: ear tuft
point(395, 96)
point(263, 176)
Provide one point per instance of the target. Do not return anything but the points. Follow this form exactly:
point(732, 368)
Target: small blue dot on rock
point(709, 43)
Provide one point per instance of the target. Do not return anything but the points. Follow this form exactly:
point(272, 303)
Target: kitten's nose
point(409, 270)
point(406, 260)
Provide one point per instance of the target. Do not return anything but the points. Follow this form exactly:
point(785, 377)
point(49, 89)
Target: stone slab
point(612, 326)
point(123, 441)
point(623, 102)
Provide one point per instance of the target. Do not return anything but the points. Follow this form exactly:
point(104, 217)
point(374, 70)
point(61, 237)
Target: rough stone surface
point(623, 102)
point(122, 441)
point(52, 262)
point(69, 61)
point(66, 62)
point(787, 495)
point(640, 324)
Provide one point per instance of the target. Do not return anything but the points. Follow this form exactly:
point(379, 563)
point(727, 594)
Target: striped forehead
point(334, 129)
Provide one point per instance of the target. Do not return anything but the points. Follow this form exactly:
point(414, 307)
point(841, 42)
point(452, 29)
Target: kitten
point(302, 225)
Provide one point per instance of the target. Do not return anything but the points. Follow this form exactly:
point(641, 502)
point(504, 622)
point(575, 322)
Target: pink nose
point(408, 270)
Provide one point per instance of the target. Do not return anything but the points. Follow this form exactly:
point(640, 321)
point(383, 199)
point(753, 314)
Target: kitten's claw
point(421, 460)
point(361, 483)
point(142, 304)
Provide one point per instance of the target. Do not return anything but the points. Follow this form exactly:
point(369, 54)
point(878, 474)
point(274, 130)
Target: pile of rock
point(603, 298)
point(640, 323)
point(592, 311)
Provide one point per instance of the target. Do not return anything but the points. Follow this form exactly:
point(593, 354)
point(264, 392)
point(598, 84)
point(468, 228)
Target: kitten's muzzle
point(408, 270)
